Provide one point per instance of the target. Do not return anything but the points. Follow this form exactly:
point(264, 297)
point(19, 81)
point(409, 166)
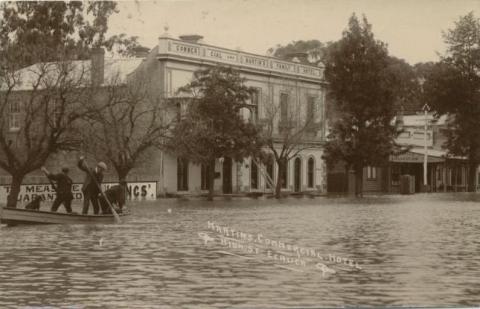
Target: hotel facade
point(292, 86)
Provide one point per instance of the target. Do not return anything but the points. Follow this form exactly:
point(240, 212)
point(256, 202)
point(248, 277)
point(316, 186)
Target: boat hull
point(15, 216)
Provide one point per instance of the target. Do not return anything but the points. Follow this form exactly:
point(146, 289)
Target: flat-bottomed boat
point(15, 216)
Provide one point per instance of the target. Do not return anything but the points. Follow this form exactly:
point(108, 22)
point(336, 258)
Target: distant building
point(38, 82)
point(446, 173)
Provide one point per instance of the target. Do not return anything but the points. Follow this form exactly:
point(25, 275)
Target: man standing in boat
point(63, 187)
point(92, 184)
point(116, 195)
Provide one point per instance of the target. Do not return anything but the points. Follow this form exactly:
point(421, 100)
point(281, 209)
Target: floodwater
point(421, 250)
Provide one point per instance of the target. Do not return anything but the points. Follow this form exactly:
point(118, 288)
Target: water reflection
point(420, 250)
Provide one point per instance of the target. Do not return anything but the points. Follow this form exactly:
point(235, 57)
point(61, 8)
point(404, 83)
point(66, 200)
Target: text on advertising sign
point(135, 191)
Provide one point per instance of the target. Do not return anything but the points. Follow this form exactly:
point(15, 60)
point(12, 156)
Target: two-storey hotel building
point(171, 65)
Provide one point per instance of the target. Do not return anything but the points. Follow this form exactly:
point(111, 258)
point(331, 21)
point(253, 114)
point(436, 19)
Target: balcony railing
point(285, 125)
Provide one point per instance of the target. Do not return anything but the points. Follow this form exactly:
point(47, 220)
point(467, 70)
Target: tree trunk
point(359, 181)
point(278, 186)
point(122, 173)
point(472, 173)
point(14, 191)
point(211, 179)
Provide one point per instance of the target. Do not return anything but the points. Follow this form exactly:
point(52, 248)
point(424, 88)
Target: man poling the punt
point(92, 188)
point(91, 185)
point(63, 187)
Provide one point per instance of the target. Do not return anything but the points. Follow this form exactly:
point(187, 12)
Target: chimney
point(191, 38)
point(98, 66)
point(297, 57)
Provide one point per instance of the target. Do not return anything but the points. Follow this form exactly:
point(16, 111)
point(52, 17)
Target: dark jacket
point(89, 183)
point(64, 183)
point(116, 195)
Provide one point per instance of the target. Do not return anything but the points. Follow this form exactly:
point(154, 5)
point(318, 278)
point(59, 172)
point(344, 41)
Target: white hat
point(102, 165)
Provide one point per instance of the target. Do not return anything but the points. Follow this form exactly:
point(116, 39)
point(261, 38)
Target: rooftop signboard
point(201, 52)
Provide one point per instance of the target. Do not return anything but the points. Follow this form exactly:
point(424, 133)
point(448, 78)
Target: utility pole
point(425, 109)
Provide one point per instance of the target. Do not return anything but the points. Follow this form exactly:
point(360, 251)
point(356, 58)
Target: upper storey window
point(14, 116)
point(284, 107)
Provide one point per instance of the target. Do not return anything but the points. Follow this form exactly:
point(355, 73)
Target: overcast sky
point(412, 28)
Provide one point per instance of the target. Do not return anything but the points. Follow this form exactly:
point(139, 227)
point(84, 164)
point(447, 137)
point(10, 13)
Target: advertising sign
point(135, 191)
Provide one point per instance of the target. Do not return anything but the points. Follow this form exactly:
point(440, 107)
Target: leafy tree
point(212, 126)
point(407, 78)
point(125, 46)
point(406, 85)
point(37, 31)
point(316, 50)
point(423, 69)
point(452, 88)
point(43, 91)
point(361, 88)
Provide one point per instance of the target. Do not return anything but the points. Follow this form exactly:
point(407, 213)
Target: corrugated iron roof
point(436, 153)
point(116, 71)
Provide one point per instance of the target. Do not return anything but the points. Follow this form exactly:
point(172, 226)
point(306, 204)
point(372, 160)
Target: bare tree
point(289, 127)
point(127, 121)
point(39, 107)
point(44, 88)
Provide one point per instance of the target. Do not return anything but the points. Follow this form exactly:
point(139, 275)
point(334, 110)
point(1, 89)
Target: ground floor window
point(182, 174)
point(439, 174)
point(283, 170)
point(459, 178)
point(269, 168)
point(253, 175)
point(396, 170)
point(311, 173)
point(371, 173)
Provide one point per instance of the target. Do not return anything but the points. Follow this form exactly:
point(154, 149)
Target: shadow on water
point(417, 250)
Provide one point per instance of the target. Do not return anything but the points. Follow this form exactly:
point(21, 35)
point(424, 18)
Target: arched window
point(253, 175)
point(297, 174)
point(284, 174)
point(182, 174)
point(311, 173)
point(269, 168)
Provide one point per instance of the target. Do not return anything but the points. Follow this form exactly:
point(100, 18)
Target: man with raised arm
point(91, 185)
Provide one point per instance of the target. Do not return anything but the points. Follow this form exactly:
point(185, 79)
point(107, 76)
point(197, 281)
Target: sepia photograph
point(240, 154)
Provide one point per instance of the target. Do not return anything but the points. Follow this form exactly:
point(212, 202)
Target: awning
point(416, 155)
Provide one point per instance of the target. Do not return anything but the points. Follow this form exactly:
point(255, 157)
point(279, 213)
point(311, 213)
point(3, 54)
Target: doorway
point(227, 175)
point(297, 175)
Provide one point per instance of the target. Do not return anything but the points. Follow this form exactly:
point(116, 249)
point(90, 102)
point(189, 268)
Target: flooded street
point(420, 250)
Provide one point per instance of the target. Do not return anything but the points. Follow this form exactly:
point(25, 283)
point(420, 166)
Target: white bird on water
point(205, 237)
point(325, 269)
point(100, 242)
point(169, 210)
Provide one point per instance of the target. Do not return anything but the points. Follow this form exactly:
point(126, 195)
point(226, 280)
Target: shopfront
point(444, 174)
